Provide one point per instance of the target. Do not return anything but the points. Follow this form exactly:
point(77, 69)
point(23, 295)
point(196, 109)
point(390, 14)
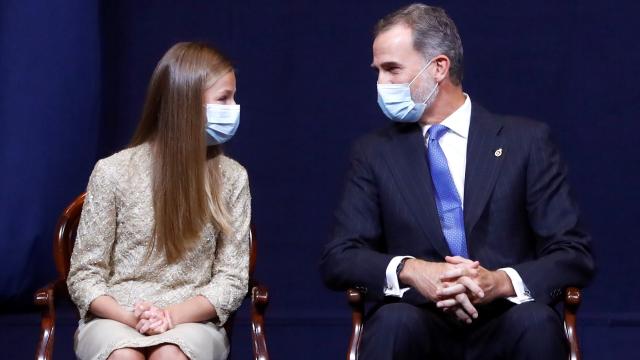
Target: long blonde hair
point(186, 174)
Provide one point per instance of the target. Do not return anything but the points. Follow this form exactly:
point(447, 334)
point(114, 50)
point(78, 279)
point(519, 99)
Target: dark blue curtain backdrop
point(73, 77)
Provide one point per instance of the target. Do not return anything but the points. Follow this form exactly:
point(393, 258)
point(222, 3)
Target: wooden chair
point(63, 241)
point(572, 298)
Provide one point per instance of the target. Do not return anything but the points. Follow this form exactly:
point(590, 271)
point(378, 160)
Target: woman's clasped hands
point(152, 320)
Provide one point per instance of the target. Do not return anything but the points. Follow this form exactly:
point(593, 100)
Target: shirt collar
point(458, 122)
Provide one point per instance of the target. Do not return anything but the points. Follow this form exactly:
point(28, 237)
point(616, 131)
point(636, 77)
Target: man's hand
point(482, 285)
point(425, 277)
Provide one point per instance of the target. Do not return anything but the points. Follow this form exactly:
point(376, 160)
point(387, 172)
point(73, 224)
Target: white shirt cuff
point(522, 293)
point(392, 286)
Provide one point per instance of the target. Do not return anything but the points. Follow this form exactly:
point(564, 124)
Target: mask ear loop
point(434, 88)
point(421, 71)
point(431, 93)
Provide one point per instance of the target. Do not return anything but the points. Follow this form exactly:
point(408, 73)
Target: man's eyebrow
point(390, 64)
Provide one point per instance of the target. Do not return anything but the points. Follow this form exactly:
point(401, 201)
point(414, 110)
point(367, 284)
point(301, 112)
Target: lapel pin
point(498, 152)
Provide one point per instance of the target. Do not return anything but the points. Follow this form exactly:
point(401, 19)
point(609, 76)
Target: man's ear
point(441, 67)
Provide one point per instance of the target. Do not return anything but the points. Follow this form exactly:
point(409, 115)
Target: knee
point(534, 318)
point(396, 331)
point(538, 330)
point(401, 318)
point(126, 354)
point(168, 352)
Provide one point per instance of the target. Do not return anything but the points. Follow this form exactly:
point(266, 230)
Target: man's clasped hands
point(456, 285)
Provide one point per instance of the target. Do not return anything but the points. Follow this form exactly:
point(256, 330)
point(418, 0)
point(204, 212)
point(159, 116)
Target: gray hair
point(434, 33)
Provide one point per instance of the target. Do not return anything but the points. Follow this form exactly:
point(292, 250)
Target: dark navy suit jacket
point(518, 210)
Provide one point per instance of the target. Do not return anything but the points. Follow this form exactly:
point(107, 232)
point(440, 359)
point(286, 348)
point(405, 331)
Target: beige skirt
point(96, 339)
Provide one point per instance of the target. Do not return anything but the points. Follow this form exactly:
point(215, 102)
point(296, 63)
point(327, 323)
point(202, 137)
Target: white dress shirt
point(454, 146)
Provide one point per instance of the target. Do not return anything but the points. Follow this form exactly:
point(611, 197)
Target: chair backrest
point(65, 237)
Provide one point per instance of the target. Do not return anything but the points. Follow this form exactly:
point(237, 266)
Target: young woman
point(162, 252)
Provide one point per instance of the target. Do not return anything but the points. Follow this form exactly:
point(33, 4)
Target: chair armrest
point(259, 302)
point(572, 297)
point(356, 301)
point(45, 299)
point(44, 295)
point(572, 300)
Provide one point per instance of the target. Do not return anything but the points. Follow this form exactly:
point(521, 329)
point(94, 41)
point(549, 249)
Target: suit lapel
point(407, 160)
point(484, 159)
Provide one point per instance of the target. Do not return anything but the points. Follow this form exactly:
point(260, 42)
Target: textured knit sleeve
point(230, 271)
point(90, 261)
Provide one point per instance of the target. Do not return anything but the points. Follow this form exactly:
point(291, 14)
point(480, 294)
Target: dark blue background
point(73, 77)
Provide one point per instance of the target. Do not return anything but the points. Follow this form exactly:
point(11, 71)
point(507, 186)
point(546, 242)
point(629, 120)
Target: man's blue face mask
point(396, 102)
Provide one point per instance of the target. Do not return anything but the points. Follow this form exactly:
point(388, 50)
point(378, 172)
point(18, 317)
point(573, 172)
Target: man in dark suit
point(457, 223)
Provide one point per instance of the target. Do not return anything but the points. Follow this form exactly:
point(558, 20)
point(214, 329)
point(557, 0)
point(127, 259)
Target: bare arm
point(108, 308)
point(196, 309)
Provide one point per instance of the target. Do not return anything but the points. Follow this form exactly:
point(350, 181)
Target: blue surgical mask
point(222, 122)
point(396, 102)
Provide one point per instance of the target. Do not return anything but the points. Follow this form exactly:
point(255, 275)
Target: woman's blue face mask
point(222, 122)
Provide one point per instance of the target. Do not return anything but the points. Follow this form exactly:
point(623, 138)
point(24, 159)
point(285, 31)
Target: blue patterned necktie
point(447, 197)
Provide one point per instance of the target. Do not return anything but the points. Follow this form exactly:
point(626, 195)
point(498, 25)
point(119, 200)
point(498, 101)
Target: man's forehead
point(393, 44)
point(396, 35)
